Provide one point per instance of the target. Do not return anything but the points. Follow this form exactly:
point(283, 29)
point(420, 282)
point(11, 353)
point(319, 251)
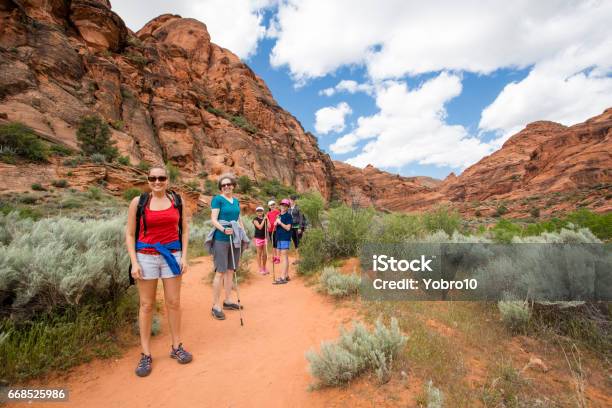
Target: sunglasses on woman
point(227, 185)
point(153, 179)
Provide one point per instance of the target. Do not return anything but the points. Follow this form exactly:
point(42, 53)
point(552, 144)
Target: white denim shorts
point(155, 266)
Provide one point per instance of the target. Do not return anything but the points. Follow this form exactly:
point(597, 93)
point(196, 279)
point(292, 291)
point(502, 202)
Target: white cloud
point(569, 88)
point(410, 127)
point(331, 118)
point(399, 37)
point(233, 24)
point(349, 86)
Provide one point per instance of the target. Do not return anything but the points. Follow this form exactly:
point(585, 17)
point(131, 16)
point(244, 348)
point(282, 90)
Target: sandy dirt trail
point(260, 364)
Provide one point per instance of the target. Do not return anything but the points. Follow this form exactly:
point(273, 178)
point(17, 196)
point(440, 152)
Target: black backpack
point(143, 201)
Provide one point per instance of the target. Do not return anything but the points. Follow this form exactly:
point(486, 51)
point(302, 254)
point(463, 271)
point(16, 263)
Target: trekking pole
point(236, 278)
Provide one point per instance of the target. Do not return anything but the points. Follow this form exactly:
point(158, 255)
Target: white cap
point(260, 208)
point(271, 202)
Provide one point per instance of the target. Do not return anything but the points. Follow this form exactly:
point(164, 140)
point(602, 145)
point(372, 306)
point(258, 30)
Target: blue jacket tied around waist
point(164, 250)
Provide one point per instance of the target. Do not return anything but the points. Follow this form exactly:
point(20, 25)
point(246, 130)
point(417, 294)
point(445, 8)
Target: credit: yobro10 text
point(423, 264)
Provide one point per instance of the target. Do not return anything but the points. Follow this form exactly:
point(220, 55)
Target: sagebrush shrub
point(57, 262)
point(435, 397)
point(337, 284)
point(98, 158)
point(356, 351)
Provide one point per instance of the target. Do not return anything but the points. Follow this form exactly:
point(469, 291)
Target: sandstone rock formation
point(172, 95)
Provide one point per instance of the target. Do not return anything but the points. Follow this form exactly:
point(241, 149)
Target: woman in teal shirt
point(224, 207)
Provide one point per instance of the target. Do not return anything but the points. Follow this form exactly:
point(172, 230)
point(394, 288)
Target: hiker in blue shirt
point(225, 213)
point(283, 239)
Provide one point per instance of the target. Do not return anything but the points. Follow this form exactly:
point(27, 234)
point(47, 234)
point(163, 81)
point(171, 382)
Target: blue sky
point(432, 88)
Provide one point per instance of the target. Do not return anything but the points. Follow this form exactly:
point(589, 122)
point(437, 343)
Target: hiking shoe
point(218, 314)
point(279, 281)
point(182, 356)
point(287, 278)
point(144, 365)
point(232, 306)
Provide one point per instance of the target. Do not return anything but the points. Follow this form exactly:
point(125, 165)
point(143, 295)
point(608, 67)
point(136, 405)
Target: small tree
point(244, 184)
point(93, 136)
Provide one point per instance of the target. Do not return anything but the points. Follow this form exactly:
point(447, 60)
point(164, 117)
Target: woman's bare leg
point(217, 283)
point(146, 295)
point(228, 284)
point(172, 298)
point(285, 256)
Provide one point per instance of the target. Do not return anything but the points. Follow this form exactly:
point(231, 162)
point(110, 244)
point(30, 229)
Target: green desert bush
point(501, 210)
point(346, 229)
point(242, 122)
point(28, 199)
point(74, 161)
point(245, 185)
point(312, 205)
point(442, 218)
point(37, 187)
point(144, 166)
point(130, 193)
point(357, 351)
point(395, 227)
point(173, 172)
point(124, 160)
point(59, 150)
point(504, 231)
point(312, 252)
point(275, 189)
point(94, 193)
point(514, 314)
point(62, 183)
point(22, 140)
point(117, 124)
point(599, 224)
point(338, 285)
point(94, 136)
point(210, 187)
point(57, 341)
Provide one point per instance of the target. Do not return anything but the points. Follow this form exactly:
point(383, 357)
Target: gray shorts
point(155, 266)
point(223, 257)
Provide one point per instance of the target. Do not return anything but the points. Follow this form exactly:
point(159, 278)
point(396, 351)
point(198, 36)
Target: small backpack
point(143, 201)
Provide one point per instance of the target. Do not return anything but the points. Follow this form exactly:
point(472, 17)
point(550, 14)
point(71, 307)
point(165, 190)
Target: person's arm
point(130, 240)
point(284, 226)
point(258, 225)
point(185, 239)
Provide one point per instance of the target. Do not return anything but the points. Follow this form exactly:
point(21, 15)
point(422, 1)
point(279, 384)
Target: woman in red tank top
point(161, 253)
